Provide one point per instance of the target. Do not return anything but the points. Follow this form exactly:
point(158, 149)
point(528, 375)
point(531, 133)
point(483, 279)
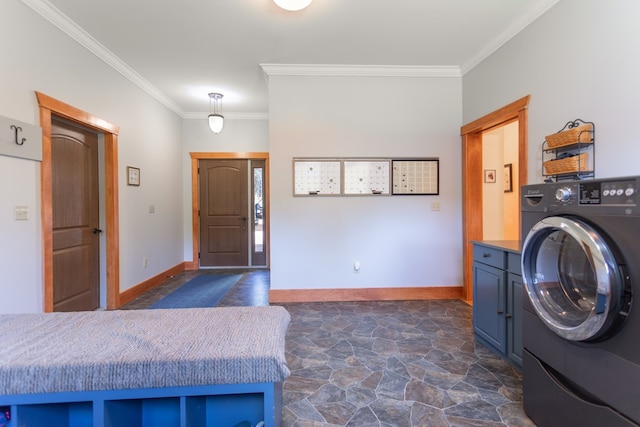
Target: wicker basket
point(567, 165)
point(571, 136)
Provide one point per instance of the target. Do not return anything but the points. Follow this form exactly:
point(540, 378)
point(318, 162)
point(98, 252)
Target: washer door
point(572, 278)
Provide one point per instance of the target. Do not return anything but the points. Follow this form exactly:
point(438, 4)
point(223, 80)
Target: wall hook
point(16, 129)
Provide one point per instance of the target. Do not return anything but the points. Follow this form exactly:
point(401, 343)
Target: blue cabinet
point(497, 299)
point(514, 317)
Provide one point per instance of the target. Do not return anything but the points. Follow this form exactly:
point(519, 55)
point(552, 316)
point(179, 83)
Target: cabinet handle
point(500, 312)
point(508, 316)
point(486, 255)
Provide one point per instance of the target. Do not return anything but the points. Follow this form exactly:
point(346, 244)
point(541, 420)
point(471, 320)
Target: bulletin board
point(317, 177)
point(416, 176)
point(366, 177)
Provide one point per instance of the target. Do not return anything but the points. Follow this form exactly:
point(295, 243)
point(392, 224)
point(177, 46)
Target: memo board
point(366, 177)
point(316, 177)
point(416, 176)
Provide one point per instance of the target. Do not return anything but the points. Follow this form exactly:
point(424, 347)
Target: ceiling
point(181, 50)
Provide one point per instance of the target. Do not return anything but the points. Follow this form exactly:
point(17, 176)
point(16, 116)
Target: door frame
point(195, 198)
point(52, 107)
point(472, 176)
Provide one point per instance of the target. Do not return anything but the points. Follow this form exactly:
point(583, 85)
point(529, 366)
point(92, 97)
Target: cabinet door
point(514, 318)
point(489, 304)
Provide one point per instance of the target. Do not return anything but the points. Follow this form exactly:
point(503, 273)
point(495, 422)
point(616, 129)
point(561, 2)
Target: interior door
point(224, 213)
point(76, 242)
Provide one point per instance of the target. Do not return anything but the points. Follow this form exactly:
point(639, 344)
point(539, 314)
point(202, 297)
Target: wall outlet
point(356, 266)
point(145, 263)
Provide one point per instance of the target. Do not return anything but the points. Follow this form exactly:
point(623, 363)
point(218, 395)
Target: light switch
point(435, 206)
point(152, 208)
point(21, 213)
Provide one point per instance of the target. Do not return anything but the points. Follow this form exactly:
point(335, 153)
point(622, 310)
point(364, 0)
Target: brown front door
point(224, 221)
point(76, 242)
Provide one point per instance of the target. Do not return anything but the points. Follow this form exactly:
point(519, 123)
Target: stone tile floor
point(382, 364)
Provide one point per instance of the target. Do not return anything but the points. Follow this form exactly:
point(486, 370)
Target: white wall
point(238, 135)
point(578, 60)
point(398, 240)
point(39, 57)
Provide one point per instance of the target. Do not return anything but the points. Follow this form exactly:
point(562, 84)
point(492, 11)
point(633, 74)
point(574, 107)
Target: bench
point(180, 367)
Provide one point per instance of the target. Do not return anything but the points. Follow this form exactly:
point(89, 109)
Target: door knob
point(97, 231)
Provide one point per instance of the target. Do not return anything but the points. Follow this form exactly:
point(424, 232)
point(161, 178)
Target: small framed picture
point(508, 186)
point(133, 176)
point(489, 175)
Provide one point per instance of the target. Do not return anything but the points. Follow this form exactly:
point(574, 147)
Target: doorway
point(230, 210)
point(49, 109)
point(501, 197)
point(473, 176)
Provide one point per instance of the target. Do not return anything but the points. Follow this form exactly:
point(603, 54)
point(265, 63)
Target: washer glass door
point(571, 277)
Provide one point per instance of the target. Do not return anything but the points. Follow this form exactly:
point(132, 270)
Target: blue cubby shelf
point(196, 406)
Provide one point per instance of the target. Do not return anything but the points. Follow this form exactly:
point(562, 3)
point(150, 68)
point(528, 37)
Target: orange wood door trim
point(195, 203)
point(50, 106)
point(472, 175)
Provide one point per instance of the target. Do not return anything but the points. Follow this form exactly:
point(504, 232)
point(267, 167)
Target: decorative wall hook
point(16, 129)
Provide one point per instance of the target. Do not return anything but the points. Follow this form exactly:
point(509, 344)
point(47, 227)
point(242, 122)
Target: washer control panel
point(614, 192)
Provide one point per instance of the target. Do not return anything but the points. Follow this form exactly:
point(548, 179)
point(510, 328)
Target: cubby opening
point(75, 414)
point(224, 410)
point(159, 412)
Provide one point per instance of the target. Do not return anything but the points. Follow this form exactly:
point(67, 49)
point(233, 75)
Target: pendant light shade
point(216, 122)
point(293, 5)
point(216, 119)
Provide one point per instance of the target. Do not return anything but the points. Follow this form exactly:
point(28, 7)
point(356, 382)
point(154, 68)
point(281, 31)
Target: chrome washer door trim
point(576, 312)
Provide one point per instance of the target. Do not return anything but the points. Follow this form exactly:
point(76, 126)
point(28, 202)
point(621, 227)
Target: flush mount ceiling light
point(216, 119)
point(293, 5)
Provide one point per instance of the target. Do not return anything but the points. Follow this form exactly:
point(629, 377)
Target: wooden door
point(224, 213)
point(76, 242)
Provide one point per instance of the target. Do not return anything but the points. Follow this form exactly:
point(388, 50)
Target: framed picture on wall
point(489, 175)
point(508, 186)
point(133, 176)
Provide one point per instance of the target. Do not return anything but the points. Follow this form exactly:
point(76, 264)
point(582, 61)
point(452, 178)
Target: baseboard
point(139, 289)
point(365, 294)
point(191, 265)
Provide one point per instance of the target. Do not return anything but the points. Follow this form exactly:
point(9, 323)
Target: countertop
point(514, 246)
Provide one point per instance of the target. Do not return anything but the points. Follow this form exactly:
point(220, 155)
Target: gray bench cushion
point(110, 350)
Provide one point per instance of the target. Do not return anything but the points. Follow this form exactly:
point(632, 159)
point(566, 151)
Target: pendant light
point(216, 119)
point(293, 5)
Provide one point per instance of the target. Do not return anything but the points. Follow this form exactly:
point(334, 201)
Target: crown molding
point(359, 70)
point(66, 25)
point(228, 116)
point(531, 14)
